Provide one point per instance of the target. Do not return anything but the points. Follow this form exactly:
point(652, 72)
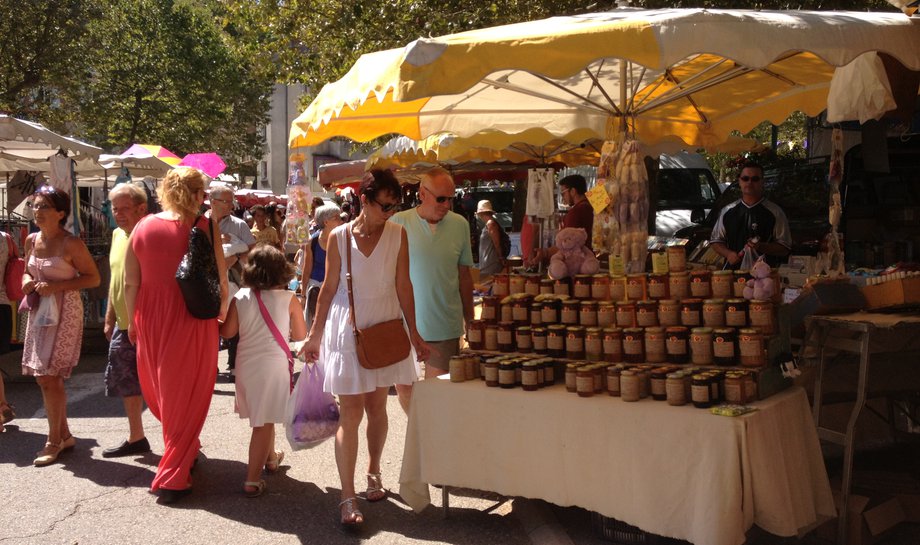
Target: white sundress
point(374, 280)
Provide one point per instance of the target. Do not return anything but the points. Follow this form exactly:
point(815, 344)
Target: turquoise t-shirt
point(433, 261)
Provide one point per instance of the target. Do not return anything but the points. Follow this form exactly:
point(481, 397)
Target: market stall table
point(674, 471)
point(869, 336)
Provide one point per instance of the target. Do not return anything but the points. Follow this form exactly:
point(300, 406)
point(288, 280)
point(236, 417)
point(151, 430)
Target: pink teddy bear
point(573, 256)
point(759, 287)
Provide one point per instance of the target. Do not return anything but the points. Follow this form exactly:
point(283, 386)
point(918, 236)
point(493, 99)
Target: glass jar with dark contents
point(633, 346)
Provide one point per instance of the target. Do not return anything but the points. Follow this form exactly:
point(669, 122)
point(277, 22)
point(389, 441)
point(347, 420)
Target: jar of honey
point(520, 311)
point(536, 313)
point(668, 312)
point(741, 278)
point(457, 368)
point(714, 313)
point(584, 381)
point(491, 372)
point(546, 286)
point(613, 380)
point(506, 336)
point(532, 284)
point(751, 348)
point(679, 285)
point(600, 287)
point(677, 258)
point(516, 283)
point(474, 335)
point(606, 314)
point(555, 340)
point(529, 376)
point(655, 351)
point(691, 312)
point(581, 288)
point(723, 346)
point(506, 374)
point(538, 340)
point(490, 337)
point(635, 286)
point(571, 372)
point(594, 344)
point(675, 389)
point(658, 383)
point(501, 285)
point(575, 342)
point(490, 306)
point(633, 345)
point(647, 313)
point(722, 284)
point(736, 312)
point(629, 385)
point(657, 286)
point(626, 314)
point(617, 288)
point(569, 314)
point(612, 344)
point(700, 391)
point(734, 388)
point(760, 314)
point(701, 346)
point(587, 313)
point(644, 374)
point(561, 286)
point(551, 311)
point(676, 344)
point(701, 283)
point(523, 339)
point(506, 312)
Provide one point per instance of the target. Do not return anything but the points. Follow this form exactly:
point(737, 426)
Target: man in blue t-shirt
point(440, 258)
point(751, 226)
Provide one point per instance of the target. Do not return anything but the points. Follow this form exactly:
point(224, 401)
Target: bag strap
point(351, 297)
point(277, 334)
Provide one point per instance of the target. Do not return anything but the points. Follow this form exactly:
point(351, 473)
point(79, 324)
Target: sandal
point(351, 515)
point(272, 465)
point(7, 414)
point(375, 489)
point(257, 486)
point(47, 455)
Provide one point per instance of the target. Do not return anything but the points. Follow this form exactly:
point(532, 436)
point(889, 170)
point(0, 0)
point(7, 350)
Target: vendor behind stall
point(580, 214)
point(751, 226)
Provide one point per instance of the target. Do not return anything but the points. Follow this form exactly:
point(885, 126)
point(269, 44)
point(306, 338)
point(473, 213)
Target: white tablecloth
point(674, 471)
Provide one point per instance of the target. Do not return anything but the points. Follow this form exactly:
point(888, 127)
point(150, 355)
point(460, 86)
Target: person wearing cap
point(491, 259)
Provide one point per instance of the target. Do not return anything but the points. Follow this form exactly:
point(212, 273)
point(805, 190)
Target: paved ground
point(87, 499)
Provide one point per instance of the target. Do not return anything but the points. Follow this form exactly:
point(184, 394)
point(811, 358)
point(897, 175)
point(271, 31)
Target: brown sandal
point(375, 490)
point(351, 515)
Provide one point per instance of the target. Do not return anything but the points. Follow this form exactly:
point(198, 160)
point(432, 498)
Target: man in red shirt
point(572, 188)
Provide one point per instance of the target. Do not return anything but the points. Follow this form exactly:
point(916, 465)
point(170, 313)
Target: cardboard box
point(825, 298)
point(867, 519)
point(892, 294)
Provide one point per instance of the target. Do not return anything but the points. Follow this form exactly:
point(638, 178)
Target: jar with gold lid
point(658, 383)
point(594, 344)
point(549, 372)
point(736, 312)
point(523, 338)
point(675, 389)
point(490, 368)
point(679, 285)
point(600, 287)
point(569, 314)
point(761, 316)
point(606, 314)
point(657, 286)
point(581, 286)
point(701, 346)
point(529, 378)
point(457, 368)
point(551, 311)
point(617, 288)
point(723, 346)
point(546, 286)
point(722, 284)
point(635, 286)
point(506, 311)
point(520, 311)
point(516, 284)
point(571, 372)
point(501, 285)
point(613, 380)
point(490, 306)
point(629, 385)
point(655, 351)
point(633, 345)
point(714, 313)
point(490, 337)
point(701, 283)
point(668, 312)
point(532, 284)
point(575, 342)
point(584, 381)
point(613, 344)
point(626, 314)
point(587, 313)
point(677, 258)
point(555, 340)
point(475, 334)
point(691, 312)
point(536, 313)
point(506, 374)
point(740, 281)
point(751, 348)
point(561, 286)
point(647, 313)
point(734, 388)
point(700, 391)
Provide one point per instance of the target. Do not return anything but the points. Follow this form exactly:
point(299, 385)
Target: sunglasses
point(37, 207)
point(750, 178)
point(387, 207)
point(439, 199)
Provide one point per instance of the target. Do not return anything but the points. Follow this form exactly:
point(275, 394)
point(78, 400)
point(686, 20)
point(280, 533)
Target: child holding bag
point(265, 314)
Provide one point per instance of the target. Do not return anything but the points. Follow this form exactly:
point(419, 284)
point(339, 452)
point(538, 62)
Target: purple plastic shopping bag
point(312, 415)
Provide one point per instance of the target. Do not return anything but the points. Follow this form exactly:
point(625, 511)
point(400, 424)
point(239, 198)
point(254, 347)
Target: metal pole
point(623, 105)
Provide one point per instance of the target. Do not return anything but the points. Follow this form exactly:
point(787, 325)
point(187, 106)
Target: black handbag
point(197, 275)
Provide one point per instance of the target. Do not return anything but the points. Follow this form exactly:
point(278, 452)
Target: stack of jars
point(525, 372)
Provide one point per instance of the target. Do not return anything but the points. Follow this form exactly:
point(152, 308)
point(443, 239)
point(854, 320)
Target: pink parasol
point(209, 163)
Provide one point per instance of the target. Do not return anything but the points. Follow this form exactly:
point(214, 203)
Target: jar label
point(658, 387)
point(632, 346)
point(491, 373)
point(676, 346)
point(700, 393)
point(529, 377)
point(593, 346)
point(488, 313)
point(523, 342)
point(474, 335)
point(549, 315)
point(675, 392)
point(584, 384)
point(506, 376)
point(555, 342)
point(574, 343)
point(733, 391)
point(723, 349)
point(569, 316)
point(507, 313)
point(504, 337)
point(588, 318)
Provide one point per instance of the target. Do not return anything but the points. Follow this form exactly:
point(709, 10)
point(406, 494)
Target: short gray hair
point(221, 189)
point(325, 213)
point(128, 189)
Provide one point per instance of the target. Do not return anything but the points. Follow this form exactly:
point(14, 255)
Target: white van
point(687, 191)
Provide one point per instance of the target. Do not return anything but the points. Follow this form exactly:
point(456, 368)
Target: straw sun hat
point(484, 205)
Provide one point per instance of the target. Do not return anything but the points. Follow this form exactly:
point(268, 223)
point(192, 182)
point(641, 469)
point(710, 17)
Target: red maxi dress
point(176, 352)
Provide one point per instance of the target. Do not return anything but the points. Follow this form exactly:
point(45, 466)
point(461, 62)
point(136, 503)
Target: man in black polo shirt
point(752, 226)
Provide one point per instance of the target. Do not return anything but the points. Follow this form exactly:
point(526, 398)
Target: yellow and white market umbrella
point(692, 74)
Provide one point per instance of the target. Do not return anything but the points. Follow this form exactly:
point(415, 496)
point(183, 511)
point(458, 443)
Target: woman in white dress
point(382, 291)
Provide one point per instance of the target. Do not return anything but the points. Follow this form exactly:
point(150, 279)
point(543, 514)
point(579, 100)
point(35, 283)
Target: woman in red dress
point(176, 352)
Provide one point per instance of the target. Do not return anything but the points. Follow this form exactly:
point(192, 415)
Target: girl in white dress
point(263, 374)
point(382, 291)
